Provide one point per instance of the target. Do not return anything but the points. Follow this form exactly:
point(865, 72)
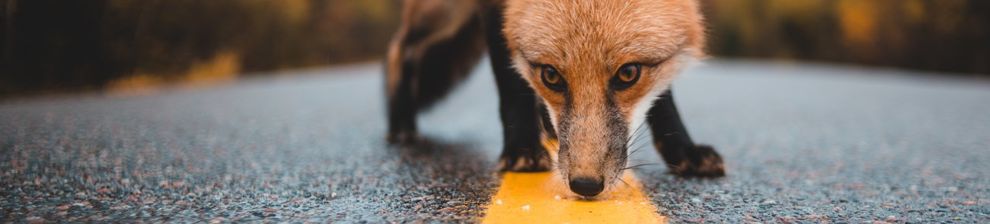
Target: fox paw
point(702, 161)
point(524, 160)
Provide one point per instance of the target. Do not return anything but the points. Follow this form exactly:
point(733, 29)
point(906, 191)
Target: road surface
point(802, 142)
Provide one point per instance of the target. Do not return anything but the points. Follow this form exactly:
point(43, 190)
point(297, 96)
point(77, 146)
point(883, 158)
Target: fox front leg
point(522, 150)
point(682, 156)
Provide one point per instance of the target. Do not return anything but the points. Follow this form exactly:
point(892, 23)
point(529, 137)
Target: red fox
point(588, 74)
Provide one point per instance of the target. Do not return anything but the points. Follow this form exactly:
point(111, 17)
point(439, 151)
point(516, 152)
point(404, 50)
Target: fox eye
point(627, 75)
point(552, 79)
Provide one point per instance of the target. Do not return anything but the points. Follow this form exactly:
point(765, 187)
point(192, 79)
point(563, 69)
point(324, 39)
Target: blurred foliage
point(940, 35)
point(60, 45)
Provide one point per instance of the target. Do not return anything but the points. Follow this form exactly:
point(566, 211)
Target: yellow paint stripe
point(536, 197)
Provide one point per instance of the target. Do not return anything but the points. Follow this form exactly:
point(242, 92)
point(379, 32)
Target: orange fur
point(588, 40)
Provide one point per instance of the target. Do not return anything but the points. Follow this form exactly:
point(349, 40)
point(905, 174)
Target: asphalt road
point(802, 142)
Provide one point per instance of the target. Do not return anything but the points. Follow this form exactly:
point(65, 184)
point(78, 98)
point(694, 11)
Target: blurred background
point(59, 46)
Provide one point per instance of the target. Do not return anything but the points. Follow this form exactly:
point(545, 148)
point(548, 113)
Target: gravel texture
point(815, 143)
point(802, 142)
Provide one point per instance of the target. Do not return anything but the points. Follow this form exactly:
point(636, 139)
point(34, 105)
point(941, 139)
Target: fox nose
point(587, 187)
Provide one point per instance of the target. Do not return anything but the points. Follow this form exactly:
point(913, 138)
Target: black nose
point(587, 186)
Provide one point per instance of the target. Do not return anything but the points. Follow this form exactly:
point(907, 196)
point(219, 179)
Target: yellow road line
point(535, 197)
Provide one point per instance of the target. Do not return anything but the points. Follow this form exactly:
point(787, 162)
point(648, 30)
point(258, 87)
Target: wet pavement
point(802, 142)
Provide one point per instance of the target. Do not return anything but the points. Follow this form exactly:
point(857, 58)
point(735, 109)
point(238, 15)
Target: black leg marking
point(517, 103)
point(682, 156)
point(422, 70)
point(402, 106)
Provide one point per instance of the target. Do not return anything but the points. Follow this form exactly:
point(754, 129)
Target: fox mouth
point(611, 180)
point(591, 175)
point(612, 187)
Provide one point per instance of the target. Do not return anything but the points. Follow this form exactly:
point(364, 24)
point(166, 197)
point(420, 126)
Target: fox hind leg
point(436, 46)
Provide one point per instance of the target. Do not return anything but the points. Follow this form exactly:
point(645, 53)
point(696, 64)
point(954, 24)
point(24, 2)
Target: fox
point(587, 75)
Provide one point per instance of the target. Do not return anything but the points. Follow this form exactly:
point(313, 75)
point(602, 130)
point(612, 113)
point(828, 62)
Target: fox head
point(598, 66)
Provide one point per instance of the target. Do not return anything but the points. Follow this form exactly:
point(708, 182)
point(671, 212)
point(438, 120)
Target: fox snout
point(589, 172)
point(592, 152)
